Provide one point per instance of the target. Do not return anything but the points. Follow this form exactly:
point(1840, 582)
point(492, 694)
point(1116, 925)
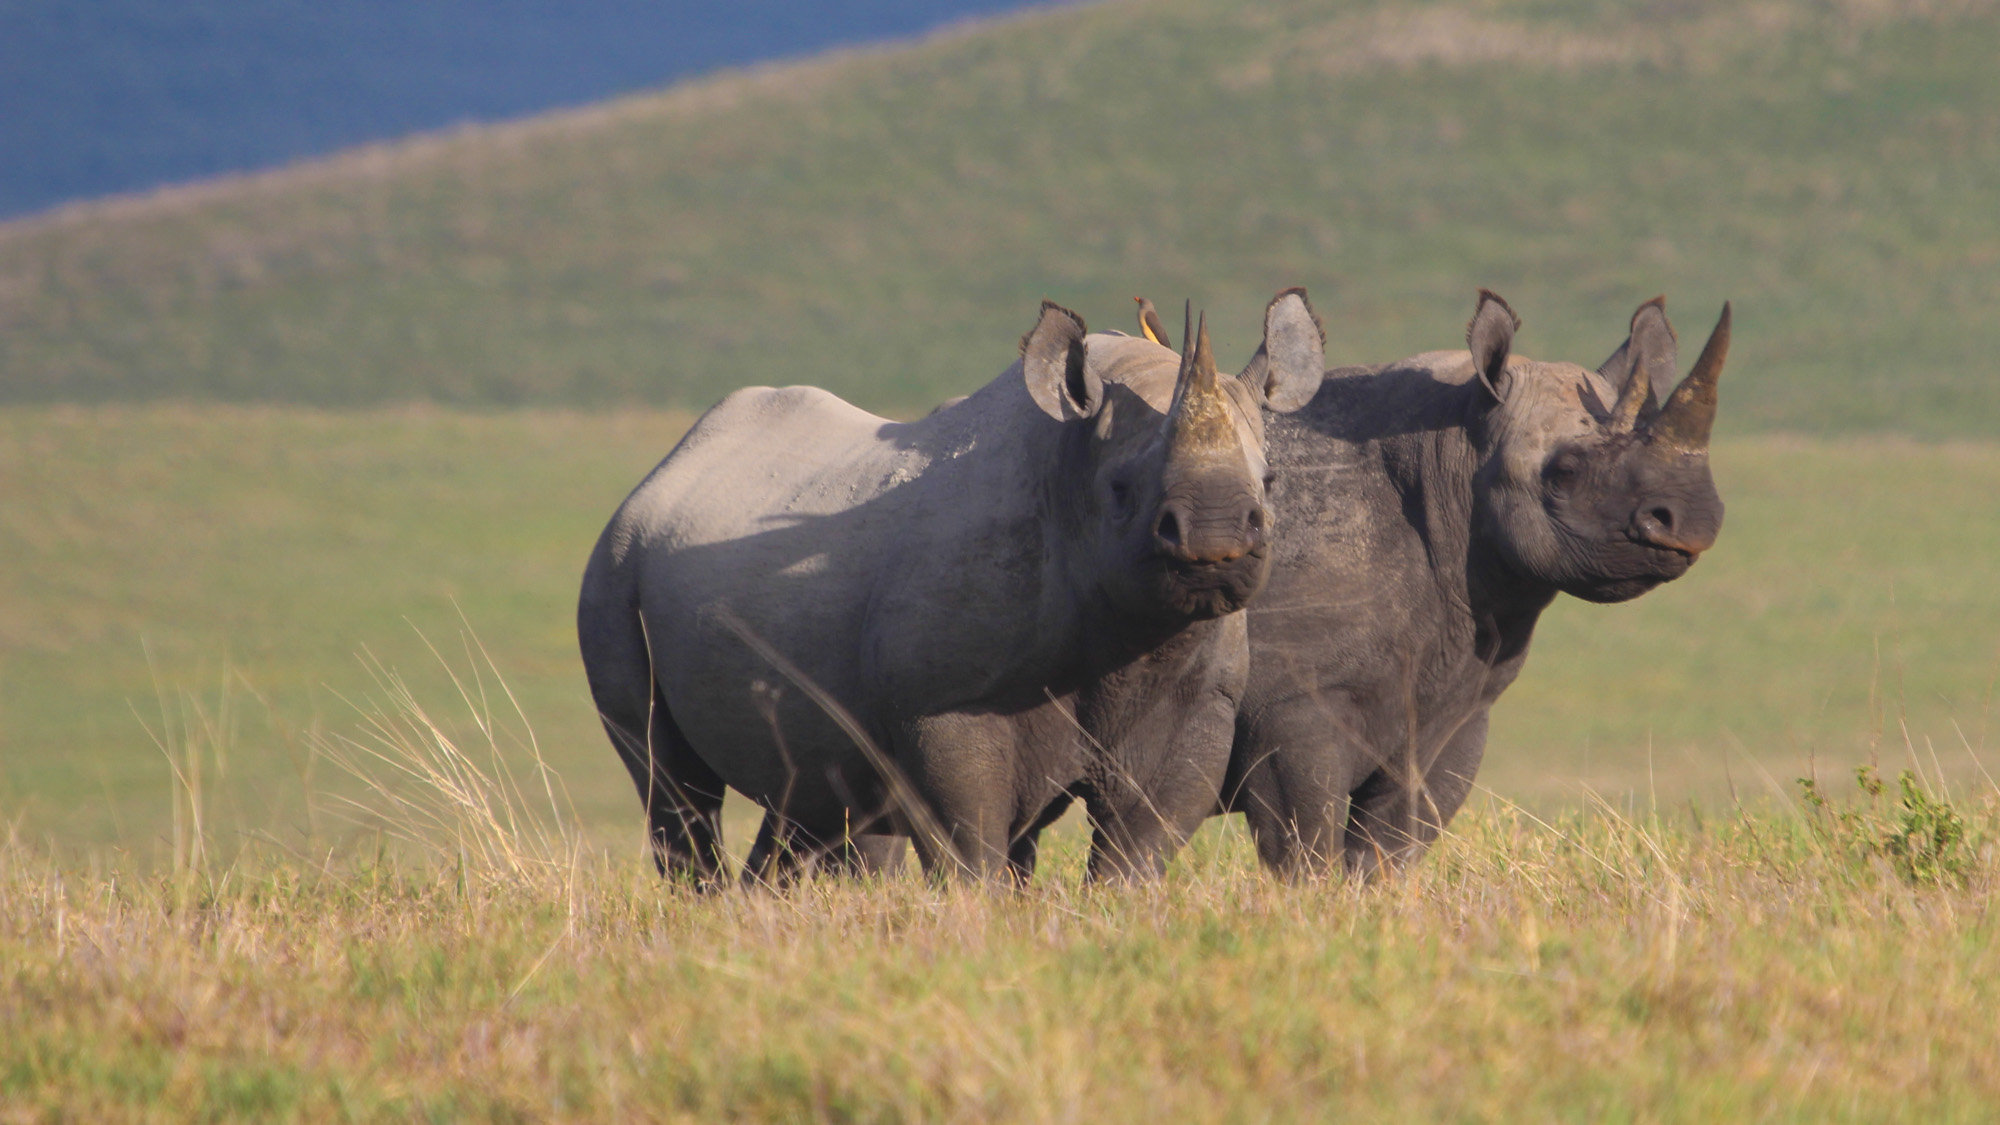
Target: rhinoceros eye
point(1563, 469)
point(1121, 498)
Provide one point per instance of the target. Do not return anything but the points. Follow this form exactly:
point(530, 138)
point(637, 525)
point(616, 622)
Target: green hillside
point(882, 222)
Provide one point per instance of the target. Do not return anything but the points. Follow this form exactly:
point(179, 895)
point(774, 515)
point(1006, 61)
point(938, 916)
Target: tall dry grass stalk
point(445, 785)
point(195, 738)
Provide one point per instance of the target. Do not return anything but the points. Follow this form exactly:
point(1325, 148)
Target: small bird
point(1149, 323)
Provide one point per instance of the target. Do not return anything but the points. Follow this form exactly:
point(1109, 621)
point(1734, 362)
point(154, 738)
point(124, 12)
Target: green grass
point(883, 222)
point(1845, 616)
point(151, 551)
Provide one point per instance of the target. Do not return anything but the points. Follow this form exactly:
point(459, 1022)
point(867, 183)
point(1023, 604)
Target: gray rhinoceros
point(1430, 510)
point(946, 628)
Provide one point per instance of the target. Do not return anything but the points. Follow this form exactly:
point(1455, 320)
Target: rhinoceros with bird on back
point(963, 622)
point(1429, 511)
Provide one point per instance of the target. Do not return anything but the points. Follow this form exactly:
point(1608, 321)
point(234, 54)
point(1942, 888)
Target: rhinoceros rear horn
point(1687, 419)
point(1286, 371)
point(1053, 367)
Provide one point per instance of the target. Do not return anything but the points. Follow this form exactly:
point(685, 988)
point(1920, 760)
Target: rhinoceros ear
point(1490, 338)
point(1052, 364)
point(1286, 371)
point(1650, 347)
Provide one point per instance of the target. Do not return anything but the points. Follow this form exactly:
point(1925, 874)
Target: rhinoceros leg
point(683, 803)
point(961, 767)
point(1291, 783)
point(1140, 821)
point(784, 849)
point(682, 796)
point(780, 852)
point(1026, 847)
point(1393, 821)
point(775, 859)
point(870, 855)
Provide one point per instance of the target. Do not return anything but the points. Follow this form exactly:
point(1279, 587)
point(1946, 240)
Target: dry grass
point(1786, 963)
point(1595, 969)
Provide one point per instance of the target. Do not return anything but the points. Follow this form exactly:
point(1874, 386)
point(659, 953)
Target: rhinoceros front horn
point(1685, 422)
point(1199, 419)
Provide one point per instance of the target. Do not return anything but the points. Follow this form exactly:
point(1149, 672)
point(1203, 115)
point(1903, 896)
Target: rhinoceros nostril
point(1169, 529)
point(1255, 527)
point(1664, 517)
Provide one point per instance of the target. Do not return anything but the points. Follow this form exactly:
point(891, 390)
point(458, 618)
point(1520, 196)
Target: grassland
point(1846, 614)
point(870, 221)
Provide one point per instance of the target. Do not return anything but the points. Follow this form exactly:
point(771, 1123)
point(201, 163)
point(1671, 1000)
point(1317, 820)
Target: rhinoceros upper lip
point(1665, 541)
point(1205, 568)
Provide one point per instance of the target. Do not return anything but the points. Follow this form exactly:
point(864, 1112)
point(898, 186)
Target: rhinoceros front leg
point(1290, 772)
point(1144, 805)
point(1397, 814)
point(962, 768)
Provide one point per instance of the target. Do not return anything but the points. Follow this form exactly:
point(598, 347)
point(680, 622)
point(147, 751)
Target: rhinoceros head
point(1167, 506)
point(1598, 482)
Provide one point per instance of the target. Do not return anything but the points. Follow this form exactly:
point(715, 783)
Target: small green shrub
point(1924, 839)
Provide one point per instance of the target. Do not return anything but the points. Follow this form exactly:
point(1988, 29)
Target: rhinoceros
point(1431, 509)
point(948, 628)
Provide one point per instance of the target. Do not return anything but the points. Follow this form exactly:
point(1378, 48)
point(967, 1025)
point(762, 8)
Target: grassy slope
point(882, 223)
point(1598, 970)
point(283, 542)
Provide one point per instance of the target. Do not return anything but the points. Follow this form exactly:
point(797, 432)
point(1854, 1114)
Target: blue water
point(103, 96)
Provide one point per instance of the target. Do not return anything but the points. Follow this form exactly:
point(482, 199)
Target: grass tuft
point(447, 788)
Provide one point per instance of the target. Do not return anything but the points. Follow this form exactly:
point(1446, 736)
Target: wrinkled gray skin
point(1429, 510)
point(1027, 597)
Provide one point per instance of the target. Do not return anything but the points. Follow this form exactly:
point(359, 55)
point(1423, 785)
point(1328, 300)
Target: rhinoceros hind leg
point(784, 849)
point(682, 796)
point(1026, 848)
point(776, 859)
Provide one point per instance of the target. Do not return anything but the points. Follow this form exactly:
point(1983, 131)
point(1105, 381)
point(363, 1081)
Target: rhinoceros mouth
point(1200, 590)
point(1662, 567)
